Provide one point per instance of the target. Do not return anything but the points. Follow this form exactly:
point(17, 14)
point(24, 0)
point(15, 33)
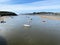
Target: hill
point(43, 13)
point(7, 13)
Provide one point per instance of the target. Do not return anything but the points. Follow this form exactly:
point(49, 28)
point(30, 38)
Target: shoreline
point(50, 17)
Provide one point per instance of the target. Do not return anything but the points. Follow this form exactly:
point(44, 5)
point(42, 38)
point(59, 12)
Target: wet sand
point(4, 18)
point(50, 17)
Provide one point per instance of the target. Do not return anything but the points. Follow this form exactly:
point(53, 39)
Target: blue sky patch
point(23, 1)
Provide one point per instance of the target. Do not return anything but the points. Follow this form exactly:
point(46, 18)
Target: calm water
point(40, 33)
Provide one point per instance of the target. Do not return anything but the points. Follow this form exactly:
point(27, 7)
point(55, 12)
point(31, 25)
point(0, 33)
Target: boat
point(26, 25)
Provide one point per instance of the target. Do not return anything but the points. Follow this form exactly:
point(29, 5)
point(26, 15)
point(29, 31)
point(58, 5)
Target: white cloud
point(24, 8)
point(41, 5)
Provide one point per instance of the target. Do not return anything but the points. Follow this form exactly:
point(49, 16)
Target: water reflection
point(27, 27)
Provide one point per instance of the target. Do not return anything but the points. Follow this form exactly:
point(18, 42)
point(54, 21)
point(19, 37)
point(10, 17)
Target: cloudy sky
point(24, 6)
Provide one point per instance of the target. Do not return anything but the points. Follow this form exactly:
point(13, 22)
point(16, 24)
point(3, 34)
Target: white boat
point(26, 25)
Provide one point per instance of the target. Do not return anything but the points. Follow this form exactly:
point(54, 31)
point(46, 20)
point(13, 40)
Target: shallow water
point(42, 31)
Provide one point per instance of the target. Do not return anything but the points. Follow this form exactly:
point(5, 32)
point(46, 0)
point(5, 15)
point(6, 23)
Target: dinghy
point(26, 25)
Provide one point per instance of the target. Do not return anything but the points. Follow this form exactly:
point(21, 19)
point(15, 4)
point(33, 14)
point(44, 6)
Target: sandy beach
point(4, 18)
point(51, 17)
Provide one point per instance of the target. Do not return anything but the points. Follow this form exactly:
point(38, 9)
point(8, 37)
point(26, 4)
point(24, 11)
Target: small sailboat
point(28, 24)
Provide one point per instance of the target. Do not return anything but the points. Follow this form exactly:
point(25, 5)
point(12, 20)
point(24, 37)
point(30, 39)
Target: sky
point(26, 6)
